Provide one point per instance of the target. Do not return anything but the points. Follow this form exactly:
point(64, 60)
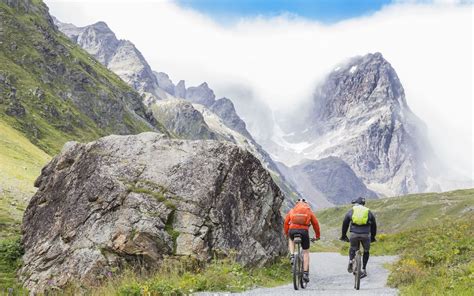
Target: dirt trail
point(329, 276)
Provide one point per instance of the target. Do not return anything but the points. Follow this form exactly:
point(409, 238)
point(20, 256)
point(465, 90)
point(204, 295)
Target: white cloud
point(280, 59)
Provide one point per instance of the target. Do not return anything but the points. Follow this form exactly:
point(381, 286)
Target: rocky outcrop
point(183, 120)
point(333, 179)
point(131, 200)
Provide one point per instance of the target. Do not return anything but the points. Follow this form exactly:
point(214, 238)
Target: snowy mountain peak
point(368, 82)
point(360, 115)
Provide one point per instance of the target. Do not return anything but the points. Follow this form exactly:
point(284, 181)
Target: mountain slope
point(52, 91)
point(329, 179)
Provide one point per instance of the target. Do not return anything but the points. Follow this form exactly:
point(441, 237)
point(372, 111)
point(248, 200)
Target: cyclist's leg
point(305, 246)
point(366, 244)
point(291, 246)
point(306, 260)
point(355, 245)
point(291, 243)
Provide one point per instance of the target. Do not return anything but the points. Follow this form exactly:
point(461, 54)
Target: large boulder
point(124, 201)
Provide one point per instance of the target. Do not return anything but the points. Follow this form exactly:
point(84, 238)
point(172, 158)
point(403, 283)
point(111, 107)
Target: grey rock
point(129, 201)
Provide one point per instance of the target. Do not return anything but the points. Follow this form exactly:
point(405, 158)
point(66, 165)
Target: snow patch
point(353, 69)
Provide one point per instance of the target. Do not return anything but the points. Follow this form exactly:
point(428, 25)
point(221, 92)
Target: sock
point(365, 259)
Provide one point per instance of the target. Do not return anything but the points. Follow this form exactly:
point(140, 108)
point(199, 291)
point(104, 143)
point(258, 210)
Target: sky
point(278, 51)
point(323, 10)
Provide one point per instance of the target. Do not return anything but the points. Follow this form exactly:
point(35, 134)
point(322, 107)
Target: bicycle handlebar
point(346, 239)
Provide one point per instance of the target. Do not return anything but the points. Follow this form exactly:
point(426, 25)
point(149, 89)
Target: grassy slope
point(65, 94)
point(60, 93)
point(432, 233)
point(20, 163)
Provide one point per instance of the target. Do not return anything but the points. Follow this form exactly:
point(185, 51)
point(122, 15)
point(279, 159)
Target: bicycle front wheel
point(357, 271)
point(303, 284)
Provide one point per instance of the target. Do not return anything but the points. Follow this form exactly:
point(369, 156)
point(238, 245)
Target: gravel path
point(329, 276)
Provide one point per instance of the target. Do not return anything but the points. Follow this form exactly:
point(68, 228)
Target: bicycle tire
point(303, 284)
point(296, 269)
point(357, 271)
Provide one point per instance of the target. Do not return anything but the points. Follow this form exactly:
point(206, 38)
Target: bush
point(10, 260)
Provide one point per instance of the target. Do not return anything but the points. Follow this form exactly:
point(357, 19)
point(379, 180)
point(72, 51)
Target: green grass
point(20, 163)
point(176, 278)
point(400, 213)
point(435, 260)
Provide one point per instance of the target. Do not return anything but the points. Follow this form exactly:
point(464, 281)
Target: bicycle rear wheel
point(296, 269)
point(357, 271)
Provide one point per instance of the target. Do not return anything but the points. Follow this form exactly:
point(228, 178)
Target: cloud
point(280, 59)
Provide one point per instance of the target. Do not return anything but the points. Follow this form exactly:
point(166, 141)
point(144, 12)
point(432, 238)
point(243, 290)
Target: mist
point(274, 63)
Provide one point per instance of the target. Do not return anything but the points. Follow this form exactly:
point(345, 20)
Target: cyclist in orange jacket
point(297, 221)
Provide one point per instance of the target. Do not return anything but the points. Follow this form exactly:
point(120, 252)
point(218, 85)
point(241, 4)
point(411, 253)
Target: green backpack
point(360, 215)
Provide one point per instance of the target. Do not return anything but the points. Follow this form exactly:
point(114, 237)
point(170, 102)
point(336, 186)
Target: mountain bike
point(298, 263)
point(357, 266)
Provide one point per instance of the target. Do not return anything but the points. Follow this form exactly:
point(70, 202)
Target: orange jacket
point(302, 207)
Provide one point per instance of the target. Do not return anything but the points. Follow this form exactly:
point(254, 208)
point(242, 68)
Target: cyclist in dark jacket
point(363, 228)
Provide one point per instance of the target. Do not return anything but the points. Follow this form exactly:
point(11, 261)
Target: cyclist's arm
point(373, 225)
point(286, 225)
point(345, 223)
point(315, 223)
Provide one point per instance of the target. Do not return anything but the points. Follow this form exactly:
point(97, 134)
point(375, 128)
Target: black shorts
point(358, 239)
point(304, 237)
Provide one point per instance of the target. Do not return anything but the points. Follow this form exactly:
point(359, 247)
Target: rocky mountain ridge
point(119, 56)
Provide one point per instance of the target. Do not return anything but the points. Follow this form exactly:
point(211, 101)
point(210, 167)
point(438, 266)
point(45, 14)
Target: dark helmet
point(359, 200)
